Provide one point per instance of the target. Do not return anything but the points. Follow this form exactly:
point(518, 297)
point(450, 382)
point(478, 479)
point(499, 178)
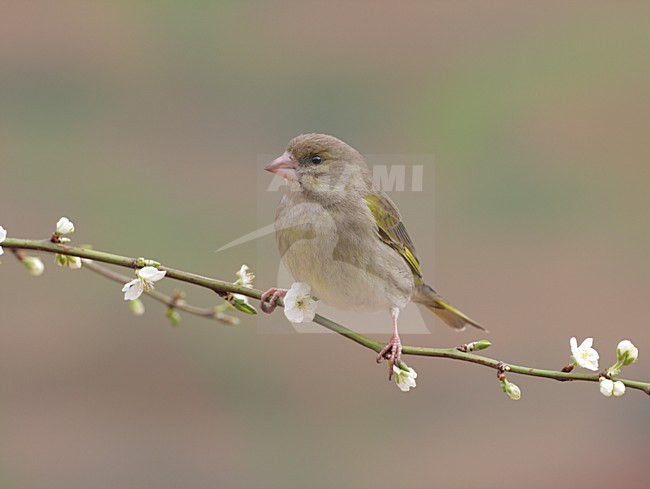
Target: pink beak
point(285, 166)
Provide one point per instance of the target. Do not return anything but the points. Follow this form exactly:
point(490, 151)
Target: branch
point(223, 288)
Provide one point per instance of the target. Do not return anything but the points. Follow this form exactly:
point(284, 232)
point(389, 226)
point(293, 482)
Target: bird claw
point(274, 294)
point(393, 353)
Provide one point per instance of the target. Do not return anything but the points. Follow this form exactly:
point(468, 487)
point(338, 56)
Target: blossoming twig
point(206, 312)
point(223, 287)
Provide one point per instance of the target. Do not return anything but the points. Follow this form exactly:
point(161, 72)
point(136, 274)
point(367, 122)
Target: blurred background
point(144, 122)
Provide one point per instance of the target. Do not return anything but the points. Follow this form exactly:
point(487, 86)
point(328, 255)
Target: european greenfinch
point(339, 233)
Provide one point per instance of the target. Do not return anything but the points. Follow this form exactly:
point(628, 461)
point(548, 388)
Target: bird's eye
point(316, 160)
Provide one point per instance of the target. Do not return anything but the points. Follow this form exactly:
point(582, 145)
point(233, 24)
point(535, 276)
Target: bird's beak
point(285, 166)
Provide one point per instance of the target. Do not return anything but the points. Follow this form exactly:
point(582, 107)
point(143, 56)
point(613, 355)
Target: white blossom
point(626, 352)
point(146, 278)
point(299, 307)
point(584, 355)
point(3, 236)
point(64, 226)
point(245, 277)
point(405, 379)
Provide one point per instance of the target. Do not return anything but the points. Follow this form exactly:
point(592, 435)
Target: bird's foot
point(391, 352)
point(274, 294)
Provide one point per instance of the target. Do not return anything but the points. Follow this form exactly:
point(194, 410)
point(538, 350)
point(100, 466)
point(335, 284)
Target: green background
point(144, 122)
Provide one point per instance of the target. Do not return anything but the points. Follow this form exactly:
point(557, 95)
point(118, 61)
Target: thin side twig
point(174, 302)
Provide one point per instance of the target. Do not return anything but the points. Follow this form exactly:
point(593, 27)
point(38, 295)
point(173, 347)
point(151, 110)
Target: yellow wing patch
point(391, 231)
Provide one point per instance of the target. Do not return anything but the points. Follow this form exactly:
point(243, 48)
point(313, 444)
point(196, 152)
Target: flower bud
point(241, 303)
point(478, 345)
point(173, 316)
point(137, 307)
point(627, 353)
point(143, 262)
point(511, 390)
point(64, 226)
point(34, 265)
point(606, 387)
point(618, 388)
point(3, 236)
point(72, 262)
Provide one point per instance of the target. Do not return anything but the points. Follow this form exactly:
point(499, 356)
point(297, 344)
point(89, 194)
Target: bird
point(342, 235)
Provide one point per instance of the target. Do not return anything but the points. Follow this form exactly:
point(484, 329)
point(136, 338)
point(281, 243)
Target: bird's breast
point(337, 252)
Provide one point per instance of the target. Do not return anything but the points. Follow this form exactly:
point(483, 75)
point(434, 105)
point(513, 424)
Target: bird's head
point(322, 166)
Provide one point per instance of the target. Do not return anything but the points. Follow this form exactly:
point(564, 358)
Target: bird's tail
point(429, 298)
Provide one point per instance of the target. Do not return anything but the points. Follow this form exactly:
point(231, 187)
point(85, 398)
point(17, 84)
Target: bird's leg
point(274, 294)
point(393, 349)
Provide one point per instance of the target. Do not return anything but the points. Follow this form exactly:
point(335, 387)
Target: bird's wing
point(391, 230)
